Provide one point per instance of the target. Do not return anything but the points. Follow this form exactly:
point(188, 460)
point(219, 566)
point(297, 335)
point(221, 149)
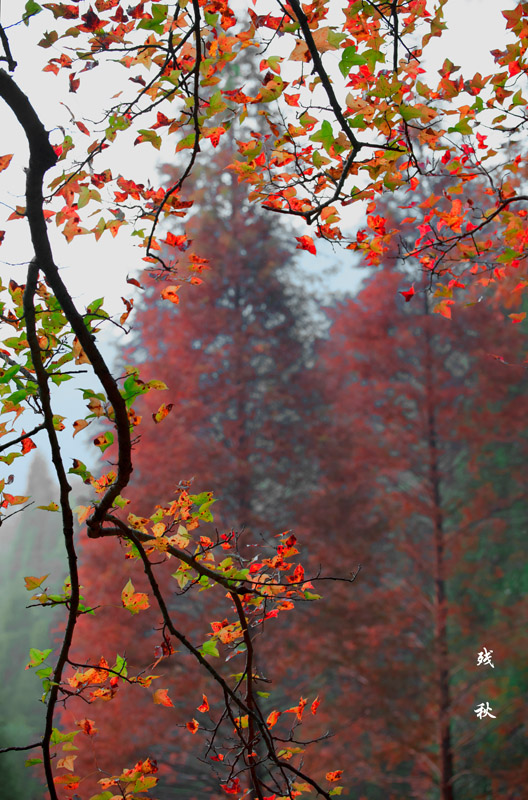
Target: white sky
point(92, 270)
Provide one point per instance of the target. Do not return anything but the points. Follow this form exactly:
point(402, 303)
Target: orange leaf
point(272, 718)
point(132, 600)
point(5, 162)
point(161, 698)
point(192, 726)
point(292, 99)
point(334, 776)
point(170, 293)
point(205, 705)
point(298, 710)
point(78, 352)
point(515, 318)
point(27, 444)
point(78, 425)
point(162, 412)
point(315, 705)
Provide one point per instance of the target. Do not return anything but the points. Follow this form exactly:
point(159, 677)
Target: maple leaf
point(233, 787)
point(27, 444)
point(171, 293)
point(78, 352)
point(306, 243)
point(132, 600)
point(78, 426)
point(298, 710)
point(204, 705)
point(34, 583)
point(273, 718)
point(66, 762)
point(5, 162)
point(181, 242)
point(161, 697)
point(408, 294)
point(162, 412)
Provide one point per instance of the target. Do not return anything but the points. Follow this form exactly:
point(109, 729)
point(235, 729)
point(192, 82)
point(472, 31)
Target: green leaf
point(325, 135)
point(9, 373)
point(372, 56)
point(147, 135)
point(349, 59)
point(30, 762)
point(318, 160)
point(186, 142)
point(211, 19)
point(95, 305)
point(216, 104)
point(30, 10)
point(200, 499)
point(334, 38)
point(121, 666)
point(358, 122)
point(159, 16)
point(16, 397)
point(272, 90)
point(103, 441)
point(58, 378)
point(45, 672)
point(409, 112)
point(57, 737)
point(209, 648)
point(37, 657)
point(518, 99)
point(462, 127)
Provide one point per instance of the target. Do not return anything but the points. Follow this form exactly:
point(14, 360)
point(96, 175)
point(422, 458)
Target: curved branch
point(67, 518)
point(42, 157)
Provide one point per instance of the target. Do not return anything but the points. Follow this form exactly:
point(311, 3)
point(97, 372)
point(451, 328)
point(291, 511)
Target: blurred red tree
point(422, 480)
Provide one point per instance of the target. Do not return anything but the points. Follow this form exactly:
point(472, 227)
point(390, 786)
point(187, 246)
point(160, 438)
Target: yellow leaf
point(50, 507)
point(66, 762)
point(34, 583)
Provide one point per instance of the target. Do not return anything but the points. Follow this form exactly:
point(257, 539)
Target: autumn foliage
point(398, 443)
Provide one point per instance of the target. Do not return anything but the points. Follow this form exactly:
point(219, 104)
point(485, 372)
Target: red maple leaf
point(306, 243)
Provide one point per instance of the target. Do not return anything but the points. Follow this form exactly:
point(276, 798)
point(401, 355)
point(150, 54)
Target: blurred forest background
point(384, 435)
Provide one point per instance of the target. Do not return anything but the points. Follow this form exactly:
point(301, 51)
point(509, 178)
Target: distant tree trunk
point(442, 645)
